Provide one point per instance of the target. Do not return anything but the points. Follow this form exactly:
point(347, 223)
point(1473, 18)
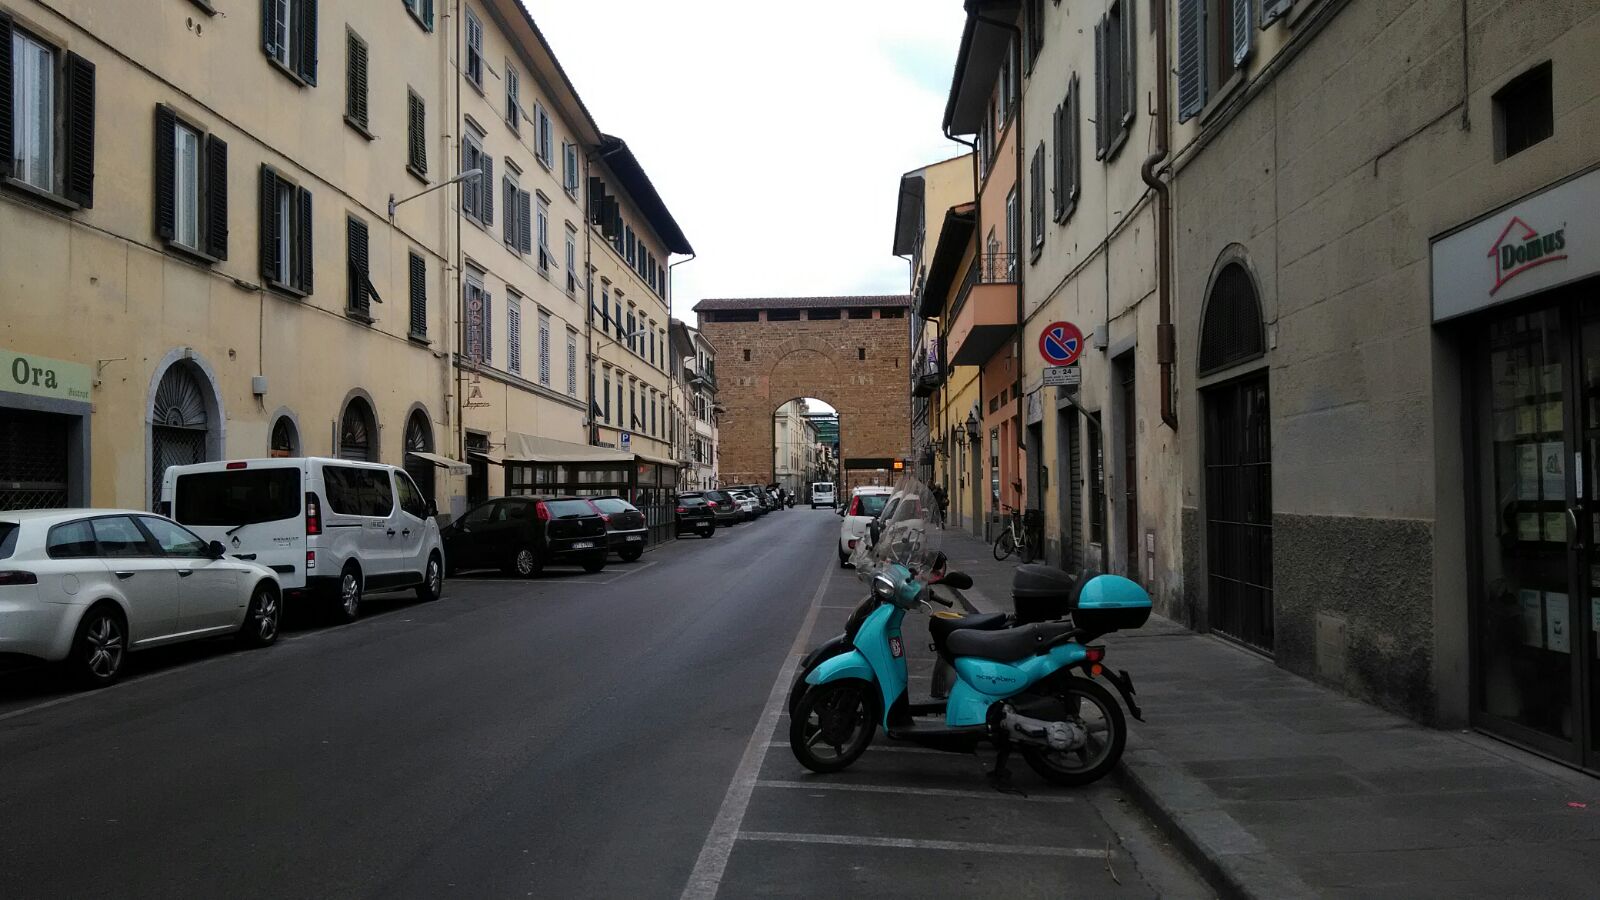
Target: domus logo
point(1521, 247)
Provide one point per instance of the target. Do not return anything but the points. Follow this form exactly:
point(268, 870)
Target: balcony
point(985, 313)
point(927, 373)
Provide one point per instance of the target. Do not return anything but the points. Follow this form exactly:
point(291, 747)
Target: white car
point(330, 528)
point(749, 506)
point(822, 494)
point(89, 585)
point(863, 508)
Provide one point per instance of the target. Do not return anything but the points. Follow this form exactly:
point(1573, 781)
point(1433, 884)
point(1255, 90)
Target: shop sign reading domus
point(41, 376)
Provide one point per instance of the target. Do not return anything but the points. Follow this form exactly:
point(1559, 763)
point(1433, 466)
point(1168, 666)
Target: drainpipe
point(1166, 337)
point(459, 302)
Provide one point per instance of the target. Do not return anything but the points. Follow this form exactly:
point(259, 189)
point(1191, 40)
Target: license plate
point(896, 649)
point(635, 537)
point(582, 545)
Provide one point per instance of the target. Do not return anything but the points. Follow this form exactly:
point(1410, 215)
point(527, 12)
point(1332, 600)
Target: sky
point(775, 132)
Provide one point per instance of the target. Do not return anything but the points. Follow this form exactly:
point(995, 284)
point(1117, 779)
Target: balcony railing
point(988, 268)
point(928, 371)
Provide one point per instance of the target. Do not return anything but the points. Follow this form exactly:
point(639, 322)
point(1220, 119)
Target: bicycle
point(1012, 539)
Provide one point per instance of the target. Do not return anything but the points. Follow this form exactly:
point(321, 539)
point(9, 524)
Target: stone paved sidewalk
point(1278, 787)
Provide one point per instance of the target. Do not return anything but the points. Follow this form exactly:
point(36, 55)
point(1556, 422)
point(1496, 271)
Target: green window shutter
point(78, 130)
point(166, 207)
point(307, 24)
point(1191, 58)
point(419, 296)
point(1241, 30)
point(7, 134)
point(355, 105)
point(305, 244)
point(216, 199)
point(269, 225)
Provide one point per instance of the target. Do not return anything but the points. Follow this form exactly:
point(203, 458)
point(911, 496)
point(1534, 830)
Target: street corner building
point(849, 352)
point(370, 231)
point(1330, 334)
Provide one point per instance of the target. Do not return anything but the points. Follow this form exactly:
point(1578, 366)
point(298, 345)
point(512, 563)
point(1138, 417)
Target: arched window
point(419, 439)
point(1230, 330)
point(358, 431)
point(285, 438)
point(180, 422)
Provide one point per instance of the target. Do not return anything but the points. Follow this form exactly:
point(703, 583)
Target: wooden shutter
point(524, 209)
point(597, 200)
point(269, 225)
point(1191, 58)
point(269, 28)
point(78, 131)
point(471, 158)
point(166, 199)
point(357, 259)
point(7, 135)
point(1241, 31)
point(509, 193)
point(1272, 10)
point(427, 13)
point(1058, 172)
point(304, 244)
point(419, 296)
point(488, 327)
point(355, 105)
point(1102, 128)
point(1075, 141)
point(1130, 53)
point(307, 22)
point(486, 189)
point(416, 133)
point(216, 198)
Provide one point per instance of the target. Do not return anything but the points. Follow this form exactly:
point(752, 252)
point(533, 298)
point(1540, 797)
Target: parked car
point(695, 513)
point(762, 506)
point(864, 507)
point(722, 504)
point(748, 504)
point(87, 586)
point(626, 531)
point(330, 528)
point(822, 494)
point(522, 535)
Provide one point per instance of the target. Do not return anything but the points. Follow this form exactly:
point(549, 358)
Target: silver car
point(86, 586)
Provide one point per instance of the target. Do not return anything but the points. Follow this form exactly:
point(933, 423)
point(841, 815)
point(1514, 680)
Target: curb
point(1232, 859)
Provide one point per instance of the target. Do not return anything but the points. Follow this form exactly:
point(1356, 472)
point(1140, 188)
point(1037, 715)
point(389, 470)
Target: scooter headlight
point(882, 587)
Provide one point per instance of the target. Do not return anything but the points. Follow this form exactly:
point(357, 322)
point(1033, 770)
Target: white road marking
point(914, 791)
point(852, 840)
point(706, 878)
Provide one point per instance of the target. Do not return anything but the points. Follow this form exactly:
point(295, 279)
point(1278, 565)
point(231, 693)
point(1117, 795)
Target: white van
point(822, 494)
point(331, 528)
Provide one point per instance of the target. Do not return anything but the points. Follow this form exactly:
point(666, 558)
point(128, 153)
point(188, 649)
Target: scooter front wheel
point(1104, 732)
point(833, 724)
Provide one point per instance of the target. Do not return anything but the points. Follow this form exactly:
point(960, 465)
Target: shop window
point(1230, 327)
point(1524, 112)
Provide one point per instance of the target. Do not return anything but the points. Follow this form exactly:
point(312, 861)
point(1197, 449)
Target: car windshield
point(691, 501)
point(868, 504)
point(613, 505)
point(8, 538)
point(568, 509)
point(238, 496)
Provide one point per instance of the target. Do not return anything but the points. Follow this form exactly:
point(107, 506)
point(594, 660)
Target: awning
point(453, 466)
point(535, 449)
point(657, 460)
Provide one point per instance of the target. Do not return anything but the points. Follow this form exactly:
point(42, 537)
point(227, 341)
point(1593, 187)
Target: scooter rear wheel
point(1092, 706)
point(833, 725)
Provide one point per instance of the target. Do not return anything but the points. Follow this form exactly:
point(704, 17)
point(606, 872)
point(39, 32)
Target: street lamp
point(396, 204)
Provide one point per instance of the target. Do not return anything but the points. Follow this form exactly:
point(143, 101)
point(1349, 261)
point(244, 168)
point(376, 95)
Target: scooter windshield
point(906, 532)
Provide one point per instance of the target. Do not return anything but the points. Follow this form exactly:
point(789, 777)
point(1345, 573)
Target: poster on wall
point(1532, 617)
point(1557, 636)
point(1527, 471)
point(1555, 527)
point(1553, 469)
point(1527, 526)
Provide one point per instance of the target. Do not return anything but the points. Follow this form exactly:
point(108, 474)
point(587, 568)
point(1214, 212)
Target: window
point(544, 348)
point(474, 50)
point(49, 111)
point(479, 306)
point(513, 107)
point(360, 293)
point(175, 540)
point(1524, 112)
point(191, 178)
point(616, 314)
point(569, 168)
point(1013, 231)
point(655, 404)
point(1213, 43)
point(1033, 27)
point(411, 500)
point(289, 36)
point(119, 537)
point(861, 353)
point(356, 491)
point(422, 11)
point(1036, 199)
point(605, 308)
point(416, 136)
point(661, 280)
point(418, 269)
point(1008, 89)
point(1230, 324)
point(572, 263)
point(1068, 168)
point(74, 540)
point(747, 354)
point(605, 393)
point(286, 238)
point(633, 404)
point(631, 249)
point(238, 497)
point(285, 439)
point(619, 398)
point(544, 136)
point(546, 258)
point(572, 363)
point(355, 82)
point(516, 226)
point(632, 327)
point(513, 333)
point(477, 194)
point(651, 340)
point(1115, 48)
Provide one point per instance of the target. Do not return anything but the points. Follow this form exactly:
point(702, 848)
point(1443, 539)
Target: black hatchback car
point(522, 535)
point(695, 514)
point(725, 508)
point(625, 526)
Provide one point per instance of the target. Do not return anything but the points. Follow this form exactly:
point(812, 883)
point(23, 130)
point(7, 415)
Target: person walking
point(941, 498)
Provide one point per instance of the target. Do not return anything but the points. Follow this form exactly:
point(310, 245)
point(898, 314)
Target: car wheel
point(525, 563)
point(844, 560)
point(261, 620)
point(99, 647)
point(432, 585)
point(631, 554)
point(594, 563)
point(708, 532)
point(347, 606)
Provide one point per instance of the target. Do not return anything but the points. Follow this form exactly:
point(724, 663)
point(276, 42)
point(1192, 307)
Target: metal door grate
point(173, 447)
point(33, 460)
point(1239, 511)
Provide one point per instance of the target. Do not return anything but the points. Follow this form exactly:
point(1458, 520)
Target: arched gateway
point(850, 352)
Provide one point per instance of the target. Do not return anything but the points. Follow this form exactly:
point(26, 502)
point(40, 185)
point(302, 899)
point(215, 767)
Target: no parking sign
point(1060, 343)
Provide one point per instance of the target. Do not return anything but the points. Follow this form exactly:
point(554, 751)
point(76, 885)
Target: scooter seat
point(1008, 645)
point(941, 628)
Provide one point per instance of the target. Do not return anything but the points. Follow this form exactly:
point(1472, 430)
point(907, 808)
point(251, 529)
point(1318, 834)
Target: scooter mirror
point(958, 580)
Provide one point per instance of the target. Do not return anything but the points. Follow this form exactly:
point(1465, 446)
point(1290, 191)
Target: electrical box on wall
point(258, 385)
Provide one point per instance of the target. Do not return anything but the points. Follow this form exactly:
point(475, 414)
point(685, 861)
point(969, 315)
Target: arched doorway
point(284, 440)
point(183, 421)
point(1238, 460)
point(358, 431)
point(419, 439)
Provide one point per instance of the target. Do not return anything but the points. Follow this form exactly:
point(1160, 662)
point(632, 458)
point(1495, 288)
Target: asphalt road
point(579, 735)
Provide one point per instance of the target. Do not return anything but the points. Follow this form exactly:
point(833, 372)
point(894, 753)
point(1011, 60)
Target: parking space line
point(712, 862)
point(853, 840)
point(913, 791)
